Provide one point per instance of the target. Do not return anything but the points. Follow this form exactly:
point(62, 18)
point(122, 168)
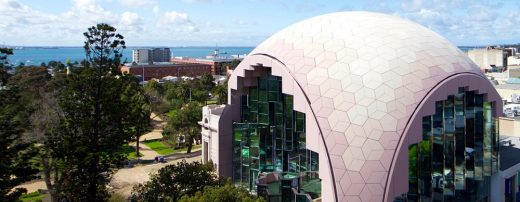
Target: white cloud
point(137, 3)
point(131, 19)
point(412, 5)
point(130, 22)
point(177, 22)
point(198, 1)
point(156, 10)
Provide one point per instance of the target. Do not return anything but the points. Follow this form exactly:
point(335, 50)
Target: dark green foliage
point(221, 92)
point(185, 91)
point(138, 110)
point(155, 93)
point(4, 65)
point(103, 48)
point(184, 122)
point(101, 111)
point(15, 154)
point(227, 193)
point(174, 181)
point(31, 82)
point(229, 65)
point(207, 82)
point(56, 66)
point(4, 53)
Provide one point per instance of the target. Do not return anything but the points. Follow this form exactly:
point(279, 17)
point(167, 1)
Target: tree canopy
point(102, 110)
point(174, 181)
point(184, 122)
point(15, 153)
point(4, 75)
point(228, 193)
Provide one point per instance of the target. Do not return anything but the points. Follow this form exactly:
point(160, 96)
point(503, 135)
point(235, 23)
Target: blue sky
point(239, 22)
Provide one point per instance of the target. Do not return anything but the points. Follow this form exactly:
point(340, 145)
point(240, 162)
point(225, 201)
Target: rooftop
point(509, 152)
point(508, 86)
point(162, 64)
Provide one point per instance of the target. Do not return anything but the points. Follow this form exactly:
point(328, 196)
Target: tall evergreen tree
point(4, 65)
point(14, 153)
point(98, 109)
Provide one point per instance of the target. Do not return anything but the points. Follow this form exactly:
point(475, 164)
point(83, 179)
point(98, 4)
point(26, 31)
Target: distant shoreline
point(129, 47)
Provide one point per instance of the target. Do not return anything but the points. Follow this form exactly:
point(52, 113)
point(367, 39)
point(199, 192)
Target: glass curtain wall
point(270, 141)
point(458, 153)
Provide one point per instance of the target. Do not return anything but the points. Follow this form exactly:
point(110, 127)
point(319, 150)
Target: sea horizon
point(35, 55)
point(44, 54)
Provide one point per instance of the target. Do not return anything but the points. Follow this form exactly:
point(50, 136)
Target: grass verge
point(32, 197)
point(130, 152)
point(159, 147)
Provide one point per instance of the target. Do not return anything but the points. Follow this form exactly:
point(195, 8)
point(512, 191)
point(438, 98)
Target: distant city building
point(161, 54)
point(151, 55)
point(141, 56)
point(513, 60)
point(509, 126)
point(489, 58)
point(161, 70)
point(510, 51)
point(507, 91)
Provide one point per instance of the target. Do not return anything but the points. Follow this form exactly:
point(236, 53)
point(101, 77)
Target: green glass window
point(270, 139)
point(458, 153)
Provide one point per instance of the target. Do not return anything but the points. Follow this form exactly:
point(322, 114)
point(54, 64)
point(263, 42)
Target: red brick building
point(159, 71)
point(216, 64)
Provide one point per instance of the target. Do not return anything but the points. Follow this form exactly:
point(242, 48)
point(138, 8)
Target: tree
point(139, 110)
point(221, 92)
point(56, 66)
point(174, 181)
point(4, 73)
point(30, 81)
point(155, 93)
point(207, 82)
point(15, 153)
point(97, 120)
point(228, 193)
point(185, 122)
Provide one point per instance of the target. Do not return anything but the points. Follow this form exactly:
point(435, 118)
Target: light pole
point(142, 66)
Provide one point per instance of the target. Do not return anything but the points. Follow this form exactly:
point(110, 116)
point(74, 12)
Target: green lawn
point(212, 102)
point(170, 113)
point(159, 147)
point(129, 152)
point(183, 149)
point(32, 197)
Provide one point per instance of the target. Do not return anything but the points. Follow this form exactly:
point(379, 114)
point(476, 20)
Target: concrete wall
point(210, 133)
point(486, 57)
point(513, 60)
point(509, 126)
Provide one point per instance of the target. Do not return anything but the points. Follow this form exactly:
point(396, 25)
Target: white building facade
point(209, 130)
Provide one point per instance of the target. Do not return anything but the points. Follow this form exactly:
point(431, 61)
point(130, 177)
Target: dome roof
point(363, 75)
point(368, 59)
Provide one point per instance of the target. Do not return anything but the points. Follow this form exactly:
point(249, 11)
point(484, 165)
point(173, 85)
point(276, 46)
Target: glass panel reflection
point(458, 153)
point(269, 150)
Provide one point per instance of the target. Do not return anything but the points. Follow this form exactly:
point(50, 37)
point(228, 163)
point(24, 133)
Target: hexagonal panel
point(358, 114)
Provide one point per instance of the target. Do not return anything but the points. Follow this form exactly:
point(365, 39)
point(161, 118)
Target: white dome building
point(370, 86)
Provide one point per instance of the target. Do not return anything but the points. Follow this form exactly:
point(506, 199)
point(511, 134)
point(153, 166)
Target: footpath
point(125, 178)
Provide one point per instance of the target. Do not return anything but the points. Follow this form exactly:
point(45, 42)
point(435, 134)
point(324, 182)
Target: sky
point(240, 22)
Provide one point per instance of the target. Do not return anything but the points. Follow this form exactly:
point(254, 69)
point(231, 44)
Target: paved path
point(156, 133)
point(124, 179)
